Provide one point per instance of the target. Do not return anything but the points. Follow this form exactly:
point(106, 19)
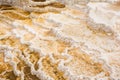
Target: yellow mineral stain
point(51, 69)
point(85, 65)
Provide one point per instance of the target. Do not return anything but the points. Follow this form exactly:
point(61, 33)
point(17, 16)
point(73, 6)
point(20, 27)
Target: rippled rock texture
point(75, 43)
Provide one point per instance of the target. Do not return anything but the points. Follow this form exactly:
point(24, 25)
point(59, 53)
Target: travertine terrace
point(60, 40)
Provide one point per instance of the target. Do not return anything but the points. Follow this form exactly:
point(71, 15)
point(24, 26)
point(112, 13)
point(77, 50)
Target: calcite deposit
point(78, 41)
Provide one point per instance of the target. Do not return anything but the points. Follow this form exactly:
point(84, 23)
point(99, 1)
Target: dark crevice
point(28, 75)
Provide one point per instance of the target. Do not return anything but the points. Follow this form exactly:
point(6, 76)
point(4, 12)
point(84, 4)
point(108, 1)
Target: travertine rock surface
point(107, 16)
point(78, 43)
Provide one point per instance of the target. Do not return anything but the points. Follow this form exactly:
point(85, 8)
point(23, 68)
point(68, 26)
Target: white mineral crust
point(81, 42)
